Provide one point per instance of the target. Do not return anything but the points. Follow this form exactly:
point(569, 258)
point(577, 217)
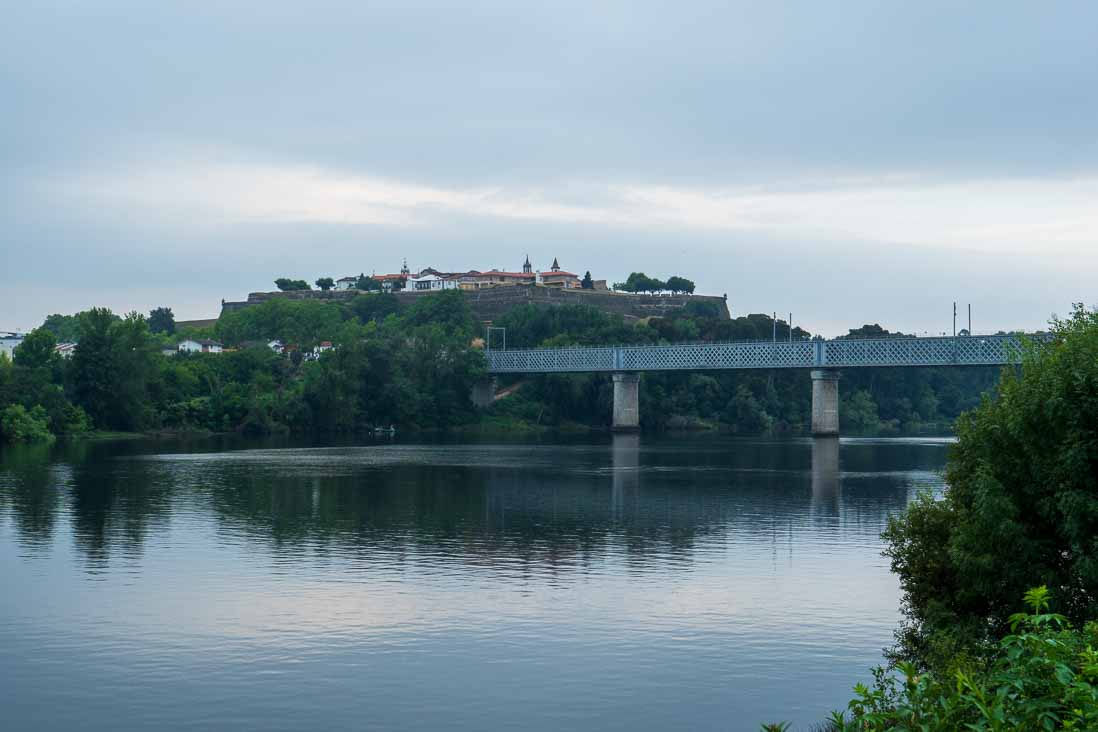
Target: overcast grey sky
point(849, 162)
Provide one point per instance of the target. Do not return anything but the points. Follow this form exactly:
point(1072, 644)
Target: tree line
point(640, 282)
point(119, 379)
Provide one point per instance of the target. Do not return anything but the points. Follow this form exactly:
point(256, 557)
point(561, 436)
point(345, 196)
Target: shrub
point(19, 425)
point(1043, 676)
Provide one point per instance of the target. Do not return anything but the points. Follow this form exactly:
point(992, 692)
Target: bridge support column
point(825, 402)
point(484, 393)
point(626, 402)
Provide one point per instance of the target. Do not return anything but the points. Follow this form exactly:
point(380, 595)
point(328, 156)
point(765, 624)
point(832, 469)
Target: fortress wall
point(489, 304)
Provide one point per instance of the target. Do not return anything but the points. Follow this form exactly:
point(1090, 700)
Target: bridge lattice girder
point(833, 354)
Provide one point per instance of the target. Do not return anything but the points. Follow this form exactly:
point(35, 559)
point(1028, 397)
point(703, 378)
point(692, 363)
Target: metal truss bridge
point(818, 354)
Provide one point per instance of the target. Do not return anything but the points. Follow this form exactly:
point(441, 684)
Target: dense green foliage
point(325, 283)
point(1043, 675)
point(119, 379)
point(19, 425)
point(1021, 508)
point(413, 369)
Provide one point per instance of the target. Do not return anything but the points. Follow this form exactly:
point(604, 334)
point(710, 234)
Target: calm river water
point(616, 584)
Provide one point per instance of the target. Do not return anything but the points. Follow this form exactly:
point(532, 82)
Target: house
point(346, 283)
point(557, 277)
point(391, 282)
point(169, 350)
point(314, 355)
point(65, 350)
point(275, 345)
point(203, 345)
point(432, 282)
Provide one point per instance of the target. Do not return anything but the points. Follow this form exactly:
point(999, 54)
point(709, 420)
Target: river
point(613, 583)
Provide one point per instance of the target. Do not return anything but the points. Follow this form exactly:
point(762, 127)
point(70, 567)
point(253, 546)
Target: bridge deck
point(944, 351)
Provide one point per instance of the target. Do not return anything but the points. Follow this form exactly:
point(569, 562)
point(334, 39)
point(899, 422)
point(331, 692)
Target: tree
point(162, 320)
point(92, 372)
point(286, 285)
point(367, 284)
point(37, 350)
point(65, 328)
point(1021, 508)
point(111, 369)
point(680, 284)
point(587, 283)
point(325, 283)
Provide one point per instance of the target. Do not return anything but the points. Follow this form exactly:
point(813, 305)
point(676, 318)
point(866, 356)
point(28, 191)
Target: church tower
point(404, 268)
point(555, 267)
point(527, 268)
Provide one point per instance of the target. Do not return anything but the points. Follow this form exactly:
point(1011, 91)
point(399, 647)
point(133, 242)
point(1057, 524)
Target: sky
point(849, 163)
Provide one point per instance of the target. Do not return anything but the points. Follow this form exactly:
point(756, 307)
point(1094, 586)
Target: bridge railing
point(841, 353)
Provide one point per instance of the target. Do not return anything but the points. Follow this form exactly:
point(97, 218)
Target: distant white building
point(431, 282)
point(323, 346)
point(203, 345)
point(276, 345)
point(346, 283)
point(65, 350)
point(8, 343)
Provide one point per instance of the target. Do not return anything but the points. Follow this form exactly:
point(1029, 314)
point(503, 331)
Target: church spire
point(527, 267)
point(555, 267)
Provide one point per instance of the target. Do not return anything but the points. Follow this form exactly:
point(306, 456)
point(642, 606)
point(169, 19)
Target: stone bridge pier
point(626, 402)
point(484, 392)
point(825, 402)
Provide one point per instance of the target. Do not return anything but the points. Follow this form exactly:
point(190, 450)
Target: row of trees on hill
point(364, 283)
point(640, 282)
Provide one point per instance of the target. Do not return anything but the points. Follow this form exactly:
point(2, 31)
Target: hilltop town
point(497, 290)
point(430, 279)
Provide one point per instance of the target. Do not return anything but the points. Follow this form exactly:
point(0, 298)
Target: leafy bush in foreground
point(1043, 676)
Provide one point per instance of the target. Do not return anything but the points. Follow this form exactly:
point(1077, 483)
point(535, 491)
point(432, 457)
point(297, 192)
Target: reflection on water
point(631, 583)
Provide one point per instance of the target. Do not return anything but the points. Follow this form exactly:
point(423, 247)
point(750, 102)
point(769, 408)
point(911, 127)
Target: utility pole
point(970, 318)
point(791, 327)
point(954, 318)
point(774, 323)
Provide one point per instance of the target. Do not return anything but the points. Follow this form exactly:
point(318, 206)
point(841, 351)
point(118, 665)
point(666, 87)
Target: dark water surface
point(618, 584)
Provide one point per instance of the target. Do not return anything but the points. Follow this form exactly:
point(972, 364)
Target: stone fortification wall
point(489, 304)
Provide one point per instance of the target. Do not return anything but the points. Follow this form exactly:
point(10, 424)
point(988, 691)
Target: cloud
point(1004, 215)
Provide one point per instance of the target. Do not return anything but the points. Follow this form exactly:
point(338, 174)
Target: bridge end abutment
point(626, 402)
point(825, 402)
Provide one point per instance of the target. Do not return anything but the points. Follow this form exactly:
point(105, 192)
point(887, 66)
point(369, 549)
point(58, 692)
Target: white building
point(200, 346)
point(65, 350)
point(346, 283)
point(276, 345)
point(431, 282)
